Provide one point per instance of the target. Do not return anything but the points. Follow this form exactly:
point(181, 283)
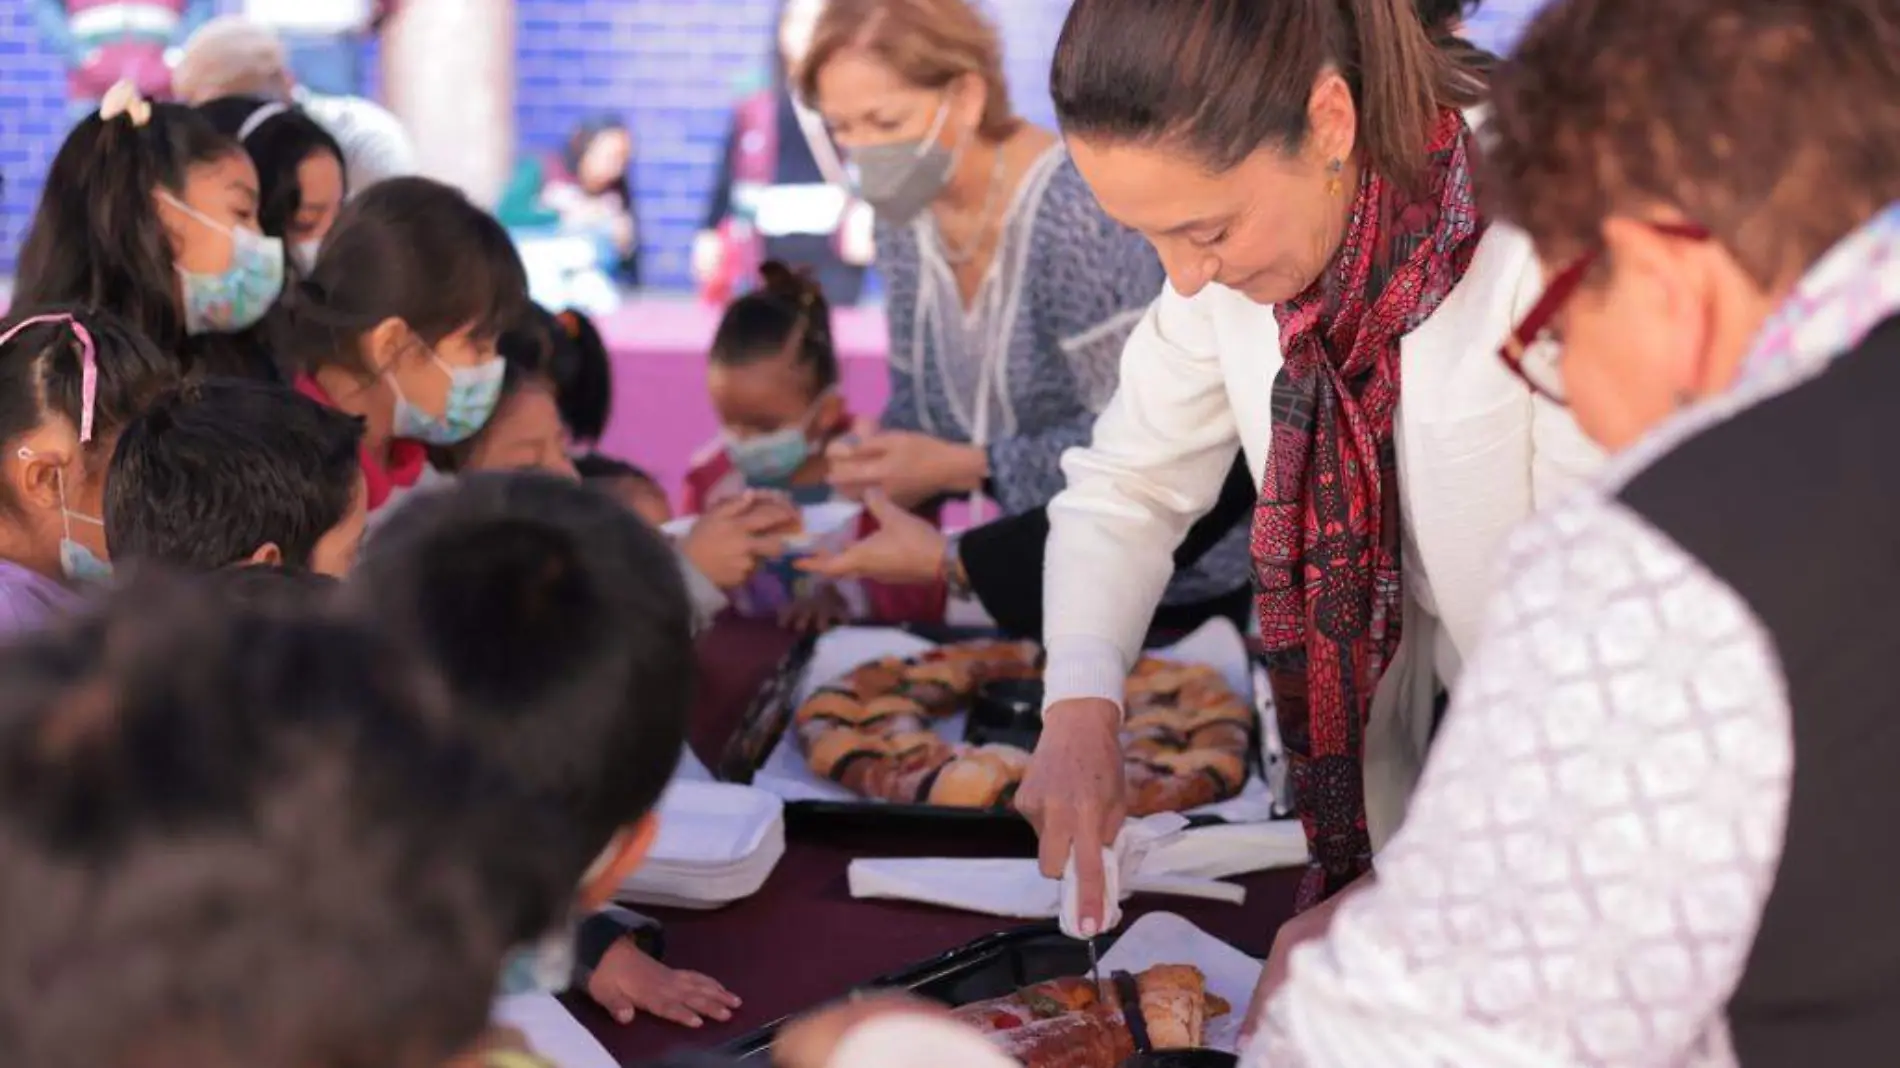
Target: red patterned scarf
point(1326, 530)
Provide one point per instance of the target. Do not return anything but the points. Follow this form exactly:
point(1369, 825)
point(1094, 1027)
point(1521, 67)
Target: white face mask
point(303, 254)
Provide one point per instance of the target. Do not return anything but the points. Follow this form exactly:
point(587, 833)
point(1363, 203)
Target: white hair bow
point(124, 99)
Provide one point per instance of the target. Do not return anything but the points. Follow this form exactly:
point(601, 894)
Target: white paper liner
point(1164, 938)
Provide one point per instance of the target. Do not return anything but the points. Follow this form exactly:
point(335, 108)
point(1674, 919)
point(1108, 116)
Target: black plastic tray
point(771, 712)
point(990, 967)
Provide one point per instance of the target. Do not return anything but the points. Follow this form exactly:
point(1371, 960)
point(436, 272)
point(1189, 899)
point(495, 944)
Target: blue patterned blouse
point(1025, 369)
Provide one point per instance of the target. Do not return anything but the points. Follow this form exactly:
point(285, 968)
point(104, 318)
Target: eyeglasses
point(1533, 352)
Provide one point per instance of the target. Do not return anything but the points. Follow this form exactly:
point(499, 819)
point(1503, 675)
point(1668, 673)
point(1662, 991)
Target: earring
point(1332, 184)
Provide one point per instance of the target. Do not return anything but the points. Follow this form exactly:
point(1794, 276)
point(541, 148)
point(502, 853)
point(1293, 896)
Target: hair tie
point(570, 321)
point(88, 363)
point(259, 117)
point(124, 99)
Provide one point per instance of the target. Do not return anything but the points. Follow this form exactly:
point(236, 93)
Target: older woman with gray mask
point(1010, 293)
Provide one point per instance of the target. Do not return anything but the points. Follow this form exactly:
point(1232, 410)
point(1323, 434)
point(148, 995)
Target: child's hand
point(816, 612)
point(733, 537)
point(629, 982)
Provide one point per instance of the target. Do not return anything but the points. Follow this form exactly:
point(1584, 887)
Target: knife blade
point(1095, 972)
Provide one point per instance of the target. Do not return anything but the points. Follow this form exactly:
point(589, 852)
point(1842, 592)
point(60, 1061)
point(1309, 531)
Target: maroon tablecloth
point(802, 940)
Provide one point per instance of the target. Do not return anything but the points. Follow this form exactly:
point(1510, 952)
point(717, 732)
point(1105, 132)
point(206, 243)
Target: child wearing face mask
point(302, 180)
point(773, 377)
point(398, 323)
point(69, 383)
point(152, 214)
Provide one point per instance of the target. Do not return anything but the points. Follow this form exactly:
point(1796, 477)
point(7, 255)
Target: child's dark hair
point(96, 239)
point(42, 371)
point(273, 588)
point(583, 375)
point(561, 625)
point(234, 838)
point(1441, 16)
point(787, 314)
point(279, 138)
point(221, 467)
point(412, 249)
point(600, 466)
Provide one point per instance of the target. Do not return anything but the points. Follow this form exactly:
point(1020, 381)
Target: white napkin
point(551, 1031)
point(1172, 861)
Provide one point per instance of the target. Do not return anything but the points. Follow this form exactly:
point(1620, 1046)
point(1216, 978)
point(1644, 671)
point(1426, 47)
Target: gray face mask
point(900, 179)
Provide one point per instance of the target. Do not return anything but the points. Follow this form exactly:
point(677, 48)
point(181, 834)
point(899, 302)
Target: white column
point(449, 75)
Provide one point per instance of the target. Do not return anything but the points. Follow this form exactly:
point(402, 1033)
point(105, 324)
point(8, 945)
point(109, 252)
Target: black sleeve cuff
point(598, 933)
point(1004, 561)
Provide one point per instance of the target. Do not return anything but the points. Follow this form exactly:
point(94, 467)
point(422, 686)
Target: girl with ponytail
point(773, 376)
point(151, 214)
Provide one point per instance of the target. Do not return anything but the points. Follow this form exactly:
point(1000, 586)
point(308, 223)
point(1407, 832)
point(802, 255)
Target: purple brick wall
point(671, 67)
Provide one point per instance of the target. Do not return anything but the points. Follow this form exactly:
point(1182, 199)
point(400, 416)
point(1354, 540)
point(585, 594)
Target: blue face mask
point(78, 563)
point(473, 394)
point(238, 297)
point(772, 459)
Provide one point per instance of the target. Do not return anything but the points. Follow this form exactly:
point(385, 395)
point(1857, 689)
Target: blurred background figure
point(233, 55)
point(323, 38)
point(106, 40)
point(573, 215)
point(782, 192)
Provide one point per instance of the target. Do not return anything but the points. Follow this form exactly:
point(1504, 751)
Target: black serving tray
point(771, 712)
point(990, 967)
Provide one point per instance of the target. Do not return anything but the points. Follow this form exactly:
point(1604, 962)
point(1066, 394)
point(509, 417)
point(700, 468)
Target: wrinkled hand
point(1076, 796)
point(906, 550)
point(1307, 926)
point(809, 1041)
point(908, 467)
point(628, 982)
point(816, 612)
point(728, 543)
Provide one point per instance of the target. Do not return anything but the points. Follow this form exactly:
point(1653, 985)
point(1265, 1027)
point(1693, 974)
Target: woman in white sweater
point(1335, 304)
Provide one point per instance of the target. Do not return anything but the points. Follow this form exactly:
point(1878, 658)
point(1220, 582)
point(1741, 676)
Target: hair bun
point(797, 286)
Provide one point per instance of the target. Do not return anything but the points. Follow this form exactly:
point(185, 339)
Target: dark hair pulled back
point(787, 314)
point(1227, 78)
point(42, 374)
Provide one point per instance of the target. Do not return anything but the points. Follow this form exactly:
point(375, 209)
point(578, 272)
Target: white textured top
point(1586, 861)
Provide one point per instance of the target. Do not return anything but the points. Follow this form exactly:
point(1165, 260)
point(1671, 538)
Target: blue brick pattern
point(671, 67)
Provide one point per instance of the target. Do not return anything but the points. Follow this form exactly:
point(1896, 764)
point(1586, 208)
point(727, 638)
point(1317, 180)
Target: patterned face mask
point(473, 394)
point(236, 298)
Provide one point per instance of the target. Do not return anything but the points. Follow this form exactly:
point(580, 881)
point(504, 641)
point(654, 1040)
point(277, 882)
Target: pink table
point(661, 416)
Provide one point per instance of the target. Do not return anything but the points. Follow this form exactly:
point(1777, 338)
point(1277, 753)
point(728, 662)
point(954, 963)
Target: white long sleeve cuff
point(1082, 667)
